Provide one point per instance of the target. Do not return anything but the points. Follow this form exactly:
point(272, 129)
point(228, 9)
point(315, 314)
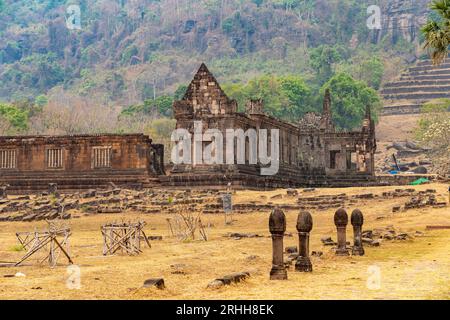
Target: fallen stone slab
point(252, 258)
point(402, 236)
point(438, 228)
point(89, 194)
point(367, 234)
point(29, 217)
point(242, 235)
point(157, 283)
point(327, 241)
point(22, 198)
point(420, 170)
point(67, 216)
point(228, 279)
point(155, 238)
point(276, 197)
point(375, 243)
point(291, 250)
point(108, 210)
point(317, 254)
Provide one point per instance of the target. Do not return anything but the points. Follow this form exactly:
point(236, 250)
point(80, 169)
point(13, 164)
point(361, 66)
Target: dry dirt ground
point(397, 127)
point(412, 269)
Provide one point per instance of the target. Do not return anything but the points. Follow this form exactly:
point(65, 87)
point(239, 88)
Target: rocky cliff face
point(402, 19)
point(128, 50)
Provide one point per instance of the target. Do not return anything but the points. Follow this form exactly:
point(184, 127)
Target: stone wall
point(75, 162)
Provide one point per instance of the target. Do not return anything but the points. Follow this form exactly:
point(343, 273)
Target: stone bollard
point(4, 192)
point(304, 227)
point(341, 221)
point(357, 220)
point(277, 227)
point(53, 189)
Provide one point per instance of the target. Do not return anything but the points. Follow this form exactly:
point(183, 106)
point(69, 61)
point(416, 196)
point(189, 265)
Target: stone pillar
point(357, 220)
point(304, 227)
point(277, 227)
point(53, 189)
point(341, 221)
point(3, 192)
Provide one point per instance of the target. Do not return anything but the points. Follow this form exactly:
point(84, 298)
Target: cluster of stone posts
point(341, 222)
point(277, 226)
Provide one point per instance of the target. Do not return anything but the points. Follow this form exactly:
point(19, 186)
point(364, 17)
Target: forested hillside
point(132, 57)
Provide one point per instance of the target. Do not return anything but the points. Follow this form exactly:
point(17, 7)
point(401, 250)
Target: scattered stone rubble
point(375, 237)
point(325, 202)
point(48, 206)
point(422, 199)
point(238, 236)
point(410, 158)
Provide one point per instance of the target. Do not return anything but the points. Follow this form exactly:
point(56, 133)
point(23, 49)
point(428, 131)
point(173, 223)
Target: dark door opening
point(333, 157)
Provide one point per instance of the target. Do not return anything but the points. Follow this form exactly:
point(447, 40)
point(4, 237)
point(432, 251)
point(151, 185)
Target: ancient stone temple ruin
point(30, 163)
point(311, 151)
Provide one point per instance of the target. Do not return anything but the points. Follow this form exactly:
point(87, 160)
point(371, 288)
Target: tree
point(369, 69)
point(434, 133)
point(286, 97)
point(350, 98)
point(298, 95)
point(179, 93)
point(322, 59)
point(437, 32)
point(17, 118)
point(161, 105)
point(41, 100)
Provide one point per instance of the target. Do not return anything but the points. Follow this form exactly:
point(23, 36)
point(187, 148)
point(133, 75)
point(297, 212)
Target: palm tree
point(437, 33)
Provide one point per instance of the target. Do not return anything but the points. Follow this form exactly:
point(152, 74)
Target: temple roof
point(203, 80)
point(204, 94)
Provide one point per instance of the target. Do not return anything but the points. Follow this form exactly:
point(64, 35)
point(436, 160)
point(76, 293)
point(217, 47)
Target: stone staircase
point(416, 86)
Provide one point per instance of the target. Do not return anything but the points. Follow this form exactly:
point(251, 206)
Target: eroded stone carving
point(304, 227)
point(277, 227)
point(357, 220)
point(341, 221)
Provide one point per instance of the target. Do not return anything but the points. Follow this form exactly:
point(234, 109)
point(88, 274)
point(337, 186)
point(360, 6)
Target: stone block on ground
point(157, 283)
point(229, 279)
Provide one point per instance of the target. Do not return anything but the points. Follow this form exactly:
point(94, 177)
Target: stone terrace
point(416, 86)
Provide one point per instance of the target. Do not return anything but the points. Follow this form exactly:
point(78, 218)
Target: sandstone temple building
point(311, 152)
point(30, 163)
